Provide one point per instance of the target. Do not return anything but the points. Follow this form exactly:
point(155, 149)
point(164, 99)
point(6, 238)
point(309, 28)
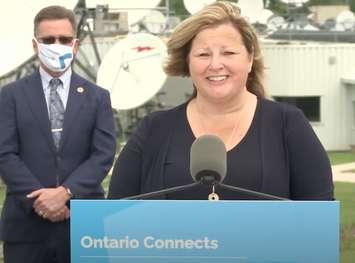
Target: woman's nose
point(216, 62)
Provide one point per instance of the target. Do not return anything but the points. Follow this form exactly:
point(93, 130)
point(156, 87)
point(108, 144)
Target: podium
point(157, 231)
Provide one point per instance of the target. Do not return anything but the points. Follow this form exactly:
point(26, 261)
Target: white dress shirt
point(63, 90)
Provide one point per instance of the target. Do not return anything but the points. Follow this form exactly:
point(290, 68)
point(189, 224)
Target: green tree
point(327, 2)
point(177, 8)
point(278, 7)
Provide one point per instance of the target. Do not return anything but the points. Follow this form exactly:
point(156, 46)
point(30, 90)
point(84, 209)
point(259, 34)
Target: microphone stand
point(209, 178)
point(251, 192)
point(161, 192)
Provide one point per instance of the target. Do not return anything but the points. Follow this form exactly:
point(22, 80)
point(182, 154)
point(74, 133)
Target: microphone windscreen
point(208, 157)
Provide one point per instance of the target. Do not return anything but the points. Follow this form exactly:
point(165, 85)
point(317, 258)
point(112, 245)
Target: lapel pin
point(80, 89)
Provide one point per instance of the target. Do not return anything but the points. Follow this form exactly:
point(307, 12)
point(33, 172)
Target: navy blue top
point(280, 155)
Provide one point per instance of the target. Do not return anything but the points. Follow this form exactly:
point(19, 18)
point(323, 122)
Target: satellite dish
point(196, 5)
point(136, 9)
point(275, 22)
point(132, 70)
point(154, 22)
point(251, 9)
point(18, 36)
point(345, 20)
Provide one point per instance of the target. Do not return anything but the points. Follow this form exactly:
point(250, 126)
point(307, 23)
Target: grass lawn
point(341, 157)
point(2, 194)
point(345, 193)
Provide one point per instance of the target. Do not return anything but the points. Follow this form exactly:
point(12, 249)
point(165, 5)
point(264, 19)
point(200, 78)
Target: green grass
point(105, 183)
point(341, 157)
point(345, 193)
point(2, 194)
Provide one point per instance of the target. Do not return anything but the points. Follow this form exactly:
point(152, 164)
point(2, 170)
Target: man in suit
point(57, 142)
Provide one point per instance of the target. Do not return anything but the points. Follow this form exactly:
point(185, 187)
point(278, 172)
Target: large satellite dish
point(196, 5)
point(15, 44)
point(132, 70)
point(136, 9)
point(251, 9)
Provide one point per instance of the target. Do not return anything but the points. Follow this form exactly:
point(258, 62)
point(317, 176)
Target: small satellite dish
point(275, 23)
point(18, 36)
point(154, 22)
point(136, 9)
point(345, 20)
point(196, 5)
point(251, 9)
point(132, 70)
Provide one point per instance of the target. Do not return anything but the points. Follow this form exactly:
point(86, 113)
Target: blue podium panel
point(128, 231)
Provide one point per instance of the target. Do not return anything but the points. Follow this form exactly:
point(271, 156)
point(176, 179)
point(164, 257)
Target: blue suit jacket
point(29, 160)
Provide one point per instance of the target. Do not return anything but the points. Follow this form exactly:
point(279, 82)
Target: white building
point(320, 79)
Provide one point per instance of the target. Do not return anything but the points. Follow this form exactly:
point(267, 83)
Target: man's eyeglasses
point(64, 40)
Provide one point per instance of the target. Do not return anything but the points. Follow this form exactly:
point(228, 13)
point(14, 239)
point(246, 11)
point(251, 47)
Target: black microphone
point(208, 160)
point(208, 165)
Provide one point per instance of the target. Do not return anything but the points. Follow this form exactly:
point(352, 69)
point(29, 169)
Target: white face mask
point(55, 57)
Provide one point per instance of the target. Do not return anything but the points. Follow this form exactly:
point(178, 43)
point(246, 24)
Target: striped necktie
point(56, 111)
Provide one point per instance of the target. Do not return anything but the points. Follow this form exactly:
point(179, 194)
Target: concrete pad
point(344, 172)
